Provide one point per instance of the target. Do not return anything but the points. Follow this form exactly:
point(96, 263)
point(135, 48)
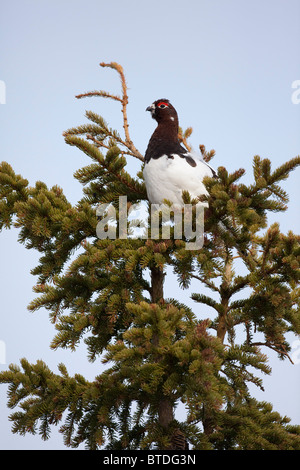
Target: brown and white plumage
point(169, 167)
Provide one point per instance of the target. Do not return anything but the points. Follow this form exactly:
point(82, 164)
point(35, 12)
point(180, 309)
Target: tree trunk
point(157, 285)
point(225, 296)
point(165, 407)
point(165, 412)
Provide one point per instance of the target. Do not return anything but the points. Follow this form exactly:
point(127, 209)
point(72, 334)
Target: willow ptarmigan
point(169, 167)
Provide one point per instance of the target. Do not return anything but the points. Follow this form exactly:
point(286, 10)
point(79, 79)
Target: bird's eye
point(162, 105)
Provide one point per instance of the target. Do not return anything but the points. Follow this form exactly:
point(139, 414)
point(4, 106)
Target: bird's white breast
point(166, 178)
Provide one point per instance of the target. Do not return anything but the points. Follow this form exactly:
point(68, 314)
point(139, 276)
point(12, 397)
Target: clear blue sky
point(228, 68)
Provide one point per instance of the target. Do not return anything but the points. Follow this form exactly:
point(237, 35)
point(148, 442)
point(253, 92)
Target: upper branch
point(124, 102)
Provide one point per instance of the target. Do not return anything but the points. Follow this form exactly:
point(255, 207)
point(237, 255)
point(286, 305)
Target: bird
point(169, 167)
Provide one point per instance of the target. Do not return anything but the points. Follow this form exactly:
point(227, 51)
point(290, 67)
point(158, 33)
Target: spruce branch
point(207, 156)
point(279, 348)
point(183, 137)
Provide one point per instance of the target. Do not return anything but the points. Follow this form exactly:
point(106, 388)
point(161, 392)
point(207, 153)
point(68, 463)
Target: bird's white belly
point(166, 178)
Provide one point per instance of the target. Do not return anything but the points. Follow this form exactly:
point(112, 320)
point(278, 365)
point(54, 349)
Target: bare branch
point(128, 142)
point(103, 94)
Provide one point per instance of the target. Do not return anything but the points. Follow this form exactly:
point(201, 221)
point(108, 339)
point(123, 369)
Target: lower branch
point(274, 348)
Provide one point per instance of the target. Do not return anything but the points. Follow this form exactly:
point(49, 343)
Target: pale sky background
point(228, 68)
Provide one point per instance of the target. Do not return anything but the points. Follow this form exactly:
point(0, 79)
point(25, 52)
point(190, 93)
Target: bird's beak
point(150, 108)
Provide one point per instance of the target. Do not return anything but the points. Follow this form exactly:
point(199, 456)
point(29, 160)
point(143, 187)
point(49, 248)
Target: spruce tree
point(109, 293)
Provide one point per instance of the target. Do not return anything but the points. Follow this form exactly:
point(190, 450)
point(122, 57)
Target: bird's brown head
point(162, 111)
